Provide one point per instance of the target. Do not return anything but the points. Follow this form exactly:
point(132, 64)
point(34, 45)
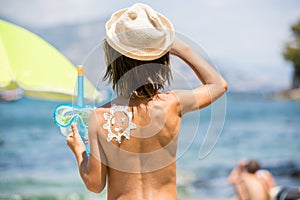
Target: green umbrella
point(30, 63)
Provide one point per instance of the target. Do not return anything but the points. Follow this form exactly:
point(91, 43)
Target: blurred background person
point(252, 182)
point(246, 182)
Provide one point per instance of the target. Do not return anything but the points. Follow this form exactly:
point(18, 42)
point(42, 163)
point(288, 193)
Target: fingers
point(69, 139)
point(74, 130)
point(74, 141)
point(72, 134)
point(73, 137)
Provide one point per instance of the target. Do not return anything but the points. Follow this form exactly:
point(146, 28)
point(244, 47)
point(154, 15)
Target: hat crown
point(140, 27)
point(141, 31)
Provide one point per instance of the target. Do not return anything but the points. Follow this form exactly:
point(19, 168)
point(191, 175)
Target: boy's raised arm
point(214, 86)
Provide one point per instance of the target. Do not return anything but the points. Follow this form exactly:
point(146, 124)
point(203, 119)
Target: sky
point(247, 35)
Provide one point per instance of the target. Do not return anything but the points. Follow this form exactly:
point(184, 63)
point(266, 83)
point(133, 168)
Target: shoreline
point(291, 94)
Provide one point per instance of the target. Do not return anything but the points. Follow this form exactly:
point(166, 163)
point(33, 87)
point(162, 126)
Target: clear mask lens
point(64, 115)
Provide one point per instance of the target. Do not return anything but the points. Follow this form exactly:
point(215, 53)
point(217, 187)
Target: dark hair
point(252, 166)
point(136, 78)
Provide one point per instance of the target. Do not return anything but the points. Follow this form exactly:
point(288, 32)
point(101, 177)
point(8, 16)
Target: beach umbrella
point(30, 63)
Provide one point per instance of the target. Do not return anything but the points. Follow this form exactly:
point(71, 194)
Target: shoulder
point(265, 175)
point(96, 122)
point(96, 118)
point(262, 173)
point(187, 100)
point(169, 101)
point(166, 94)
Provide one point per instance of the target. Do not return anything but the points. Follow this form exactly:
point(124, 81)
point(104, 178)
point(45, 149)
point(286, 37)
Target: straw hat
point(139, 32)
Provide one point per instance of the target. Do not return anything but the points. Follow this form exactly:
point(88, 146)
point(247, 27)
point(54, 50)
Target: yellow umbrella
point(30, 63)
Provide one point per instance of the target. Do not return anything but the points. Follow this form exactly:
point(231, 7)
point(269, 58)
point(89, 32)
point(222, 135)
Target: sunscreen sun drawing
point(119, 123)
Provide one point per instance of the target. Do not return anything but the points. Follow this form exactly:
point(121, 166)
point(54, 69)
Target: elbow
point(94, 190)
point(220, 89)
point(225, 86)
point(94, 187)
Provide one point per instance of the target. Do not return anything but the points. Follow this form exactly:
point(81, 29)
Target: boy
point(133, 138)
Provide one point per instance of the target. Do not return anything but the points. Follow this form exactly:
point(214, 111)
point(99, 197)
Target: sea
point(35, 162)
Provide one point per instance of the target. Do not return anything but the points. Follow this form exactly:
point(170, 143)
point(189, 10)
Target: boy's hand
point(74, 141)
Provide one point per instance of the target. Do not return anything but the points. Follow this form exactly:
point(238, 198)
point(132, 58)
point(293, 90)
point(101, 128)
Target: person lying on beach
point(133, 138)
point(253, 183)
point(246, 182)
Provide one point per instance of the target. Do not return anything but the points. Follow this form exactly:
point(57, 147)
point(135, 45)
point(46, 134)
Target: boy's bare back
point(144, 166)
